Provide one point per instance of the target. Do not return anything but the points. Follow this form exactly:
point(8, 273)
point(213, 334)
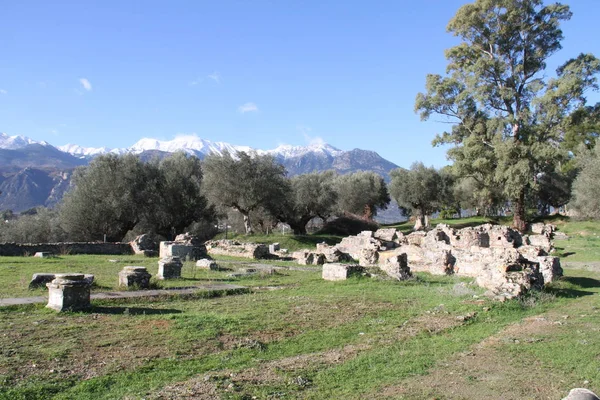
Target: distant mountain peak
point(16, 142)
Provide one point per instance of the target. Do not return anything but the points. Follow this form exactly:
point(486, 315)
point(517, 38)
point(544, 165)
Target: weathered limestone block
point(581, 394)
point(368, 257)
point(332, 253)
point(415, 238)
point(354, 245)
point(182, 250)
point(386, 234)
point(397, 267)
point(68, 292)
point(541, 228)
point(502, 236)
point(145, 244)
point(40, 279)
point(542, 241)
point(169, 268)
point(507, 284)
point(43, 254)
point(187, 238)
point(531, 252)
point(439, 261)
point(366, 234)
point(207, 263)
point(134, 276)
point(237, 249)
point(550, 268)
point(474, 261)
point(339, 272)
point(307, 257)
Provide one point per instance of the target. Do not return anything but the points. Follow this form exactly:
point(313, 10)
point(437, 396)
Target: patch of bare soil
point(486, 372)
point(199, 389)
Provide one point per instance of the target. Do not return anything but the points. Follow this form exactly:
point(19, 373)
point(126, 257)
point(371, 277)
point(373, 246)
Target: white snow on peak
point(288, 151)
point(16, 142)
point(77, 150)
point(187, 143)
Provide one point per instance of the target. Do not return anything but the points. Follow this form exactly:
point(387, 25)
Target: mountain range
point(38, 174)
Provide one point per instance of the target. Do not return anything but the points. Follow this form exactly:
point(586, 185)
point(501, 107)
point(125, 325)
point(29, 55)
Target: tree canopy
point(311, 195)
point(114, 194)
point(418, 190)
point(508, 116)
point(245, 183)
point(362, 193)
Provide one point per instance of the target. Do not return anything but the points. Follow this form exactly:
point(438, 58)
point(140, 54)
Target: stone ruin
point(68, 292)
point(40, 279)
point(499, 258)
point(185, 246)
point(169, 268)
point(237, 249)
point(145, 244)
point(132, 276)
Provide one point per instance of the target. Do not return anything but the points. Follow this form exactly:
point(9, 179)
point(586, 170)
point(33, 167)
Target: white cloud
point(310, 140)
point(215, 76)
point(2, 91)
point(196, 82)
point(86, 84)
point(248, 107)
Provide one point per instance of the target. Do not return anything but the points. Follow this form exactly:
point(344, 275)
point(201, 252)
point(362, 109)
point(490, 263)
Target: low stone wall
point(29, 249)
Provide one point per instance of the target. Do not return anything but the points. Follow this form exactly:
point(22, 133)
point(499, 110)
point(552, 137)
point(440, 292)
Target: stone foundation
point(169, 268)
point(339, 272)
point(68, 292)
point(134, 276)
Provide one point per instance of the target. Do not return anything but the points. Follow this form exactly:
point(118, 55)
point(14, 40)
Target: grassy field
point(433, 337)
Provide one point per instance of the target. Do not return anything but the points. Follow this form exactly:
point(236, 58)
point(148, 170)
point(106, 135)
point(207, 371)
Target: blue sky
point(256, 73)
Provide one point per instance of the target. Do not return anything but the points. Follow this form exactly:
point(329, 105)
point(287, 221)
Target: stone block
point(339, 272)
point(43, 254)
point(169, 268)
point(69, 292)
point(207, 263)
point(134, 276)
point(182, 250)
point(273, 248)
point(40, 279)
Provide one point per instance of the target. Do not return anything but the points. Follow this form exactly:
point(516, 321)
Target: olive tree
point(507, 112)
point(362, 193)
point(245, 183)
point(418, 190)
point(310, 195)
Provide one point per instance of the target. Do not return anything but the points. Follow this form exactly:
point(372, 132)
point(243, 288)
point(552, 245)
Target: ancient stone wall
point(29, 249)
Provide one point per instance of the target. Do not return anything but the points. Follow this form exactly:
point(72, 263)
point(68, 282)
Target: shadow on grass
point(586, 283)
point(131, 310)
point(580, 282)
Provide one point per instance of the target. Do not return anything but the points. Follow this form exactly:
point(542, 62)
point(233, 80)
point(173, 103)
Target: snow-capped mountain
point(16, 142)
point(190, 144)
point(79, 151)
point(27, 166)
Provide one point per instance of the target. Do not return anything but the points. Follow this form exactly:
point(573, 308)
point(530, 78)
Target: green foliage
point(41, 227)
point(586, 190)
point(362, 193)
point(114, 194)
point(310, 195)
point(419, 190)
point(245, 183)
point(508, 117)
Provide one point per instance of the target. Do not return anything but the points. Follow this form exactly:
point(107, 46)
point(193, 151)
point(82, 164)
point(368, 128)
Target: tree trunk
point(247, 224)
point(519, 222)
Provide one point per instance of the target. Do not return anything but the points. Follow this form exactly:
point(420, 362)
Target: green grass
point(310, 339)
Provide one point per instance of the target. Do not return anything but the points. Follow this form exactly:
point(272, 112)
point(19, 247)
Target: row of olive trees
point(257, 186)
